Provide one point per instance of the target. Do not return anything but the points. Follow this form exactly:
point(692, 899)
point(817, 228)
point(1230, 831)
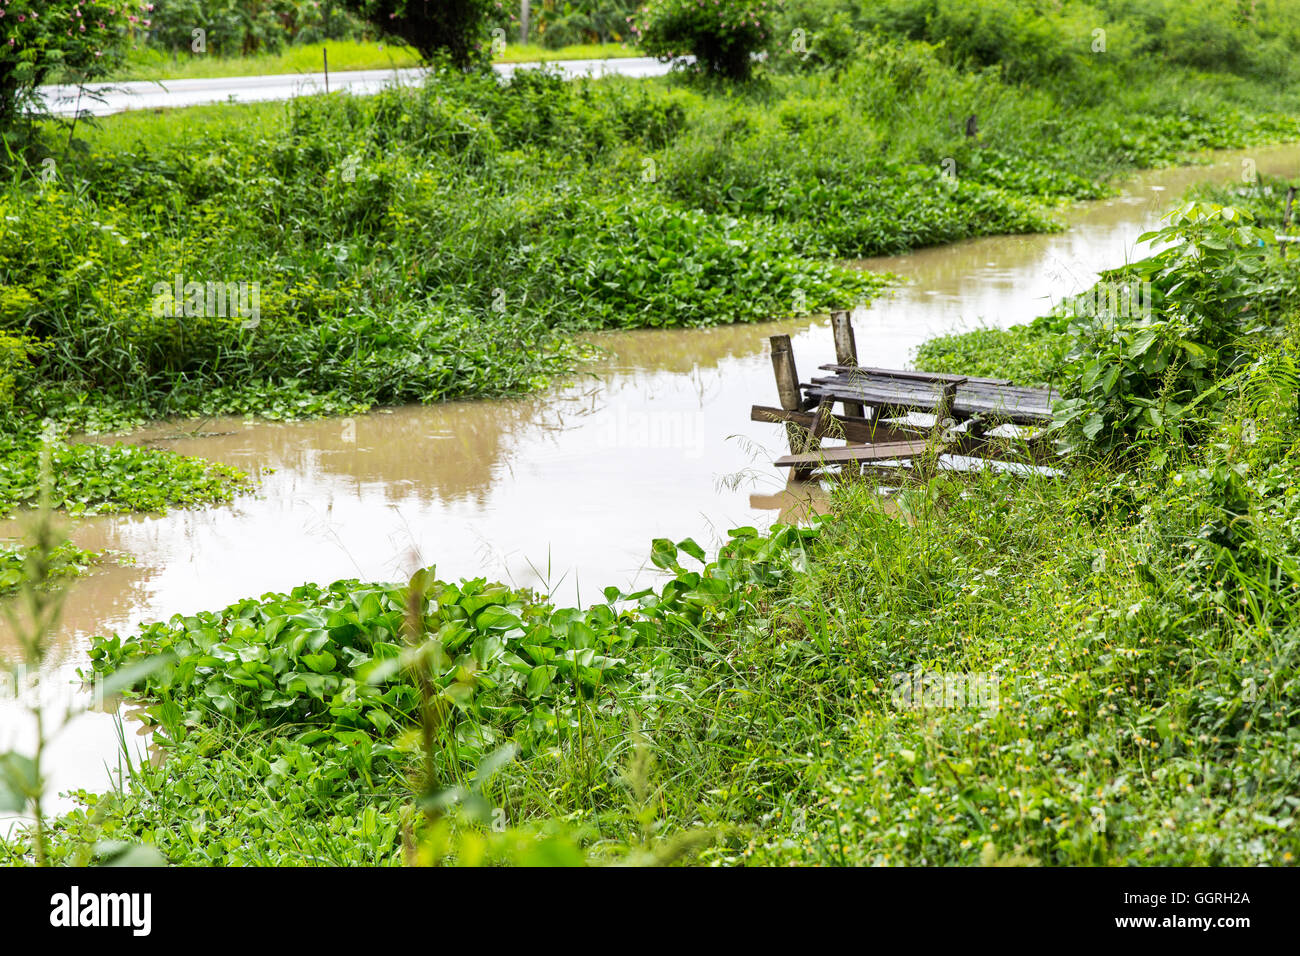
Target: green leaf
point(18, 781)
point(663, 554)
point(321, 663)
point(126, 678)
point(540, 679)
point(495, 618)
point(694, 550)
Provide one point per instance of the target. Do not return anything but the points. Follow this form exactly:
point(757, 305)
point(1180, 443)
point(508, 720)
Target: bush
point(66, 36)
point(722, 35)
point(1136, 377)
point(561, 24)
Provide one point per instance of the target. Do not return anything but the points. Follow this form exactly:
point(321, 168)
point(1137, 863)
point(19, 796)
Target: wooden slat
point(918, 376)
point(834, 456)
point(972, 386)
point(850, 376)
point(853, 428)
point(866, 430)
point(1012, 409)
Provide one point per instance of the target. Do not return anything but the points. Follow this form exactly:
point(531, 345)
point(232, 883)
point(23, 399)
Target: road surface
point(102, 99)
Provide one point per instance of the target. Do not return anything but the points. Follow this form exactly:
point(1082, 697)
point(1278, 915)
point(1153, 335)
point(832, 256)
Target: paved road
point(102, 99)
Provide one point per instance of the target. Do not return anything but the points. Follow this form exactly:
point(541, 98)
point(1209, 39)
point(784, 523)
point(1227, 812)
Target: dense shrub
point(1134, 375)
point(722, 35)
point(74, 38)
point(1066, 41)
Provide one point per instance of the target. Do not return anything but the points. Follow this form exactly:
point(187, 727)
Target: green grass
point(147, 63)
point(1033, 355)
point(1098, 665)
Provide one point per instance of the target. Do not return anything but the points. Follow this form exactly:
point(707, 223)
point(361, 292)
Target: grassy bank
point(1096, 666)
point(148, 63)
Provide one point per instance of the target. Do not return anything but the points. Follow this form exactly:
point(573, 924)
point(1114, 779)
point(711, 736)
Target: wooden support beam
point(852, 453)
point(947, 402)
point(927, 463)
point(1035, 450)
point(822, 419)
point(787, 388)
point(787, 379)
point(846, 351)
point(850, 428)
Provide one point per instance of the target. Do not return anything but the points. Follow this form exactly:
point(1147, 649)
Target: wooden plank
point(983, 387)
point(851, 453)
point(850, 428)
point(853, 380)
point(1010, 410)
point(917, 376)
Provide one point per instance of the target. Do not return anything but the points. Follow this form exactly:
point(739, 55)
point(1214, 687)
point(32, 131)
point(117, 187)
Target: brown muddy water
point(561, 491)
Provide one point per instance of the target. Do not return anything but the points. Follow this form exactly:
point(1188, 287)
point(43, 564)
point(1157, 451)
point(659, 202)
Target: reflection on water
point(563, 490)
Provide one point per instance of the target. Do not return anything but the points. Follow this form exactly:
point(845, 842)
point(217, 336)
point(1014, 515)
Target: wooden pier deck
point(877, 405)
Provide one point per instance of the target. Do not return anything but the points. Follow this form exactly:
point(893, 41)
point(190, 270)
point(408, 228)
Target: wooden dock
point(876, 413)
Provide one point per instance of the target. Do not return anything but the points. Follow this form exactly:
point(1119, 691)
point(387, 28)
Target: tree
point(722, 35)
point(455, 27)
point(70, 40)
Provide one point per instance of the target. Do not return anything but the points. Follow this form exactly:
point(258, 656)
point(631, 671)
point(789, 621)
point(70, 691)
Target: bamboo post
point(821, 419)
point(787, 378)
point(846, 351)
point(947, 400)
point(928, 461)
point(787, 388)
point(325, 58)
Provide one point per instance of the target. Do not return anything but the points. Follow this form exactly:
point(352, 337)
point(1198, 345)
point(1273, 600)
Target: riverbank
point(1083, 668)
point(517, 489)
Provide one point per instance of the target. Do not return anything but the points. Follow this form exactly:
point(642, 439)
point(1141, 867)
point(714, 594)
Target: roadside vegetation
point(1093, 665)
point(150, 64)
